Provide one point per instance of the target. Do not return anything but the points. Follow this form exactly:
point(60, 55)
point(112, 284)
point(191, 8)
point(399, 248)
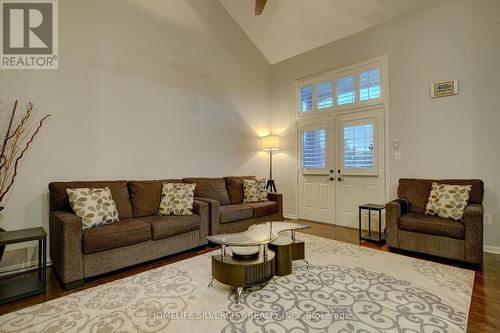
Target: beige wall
point(446, 137)
point(146, 89)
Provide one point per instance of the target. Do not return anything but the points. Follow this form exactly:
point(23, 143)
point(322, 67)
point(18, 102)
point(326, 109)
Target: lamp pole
point(270, 164)
point(271, 142)
point(271, 186)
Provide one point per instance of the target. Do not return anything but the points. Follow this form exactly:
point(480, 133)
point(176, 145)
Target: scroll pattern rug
point(348, 288)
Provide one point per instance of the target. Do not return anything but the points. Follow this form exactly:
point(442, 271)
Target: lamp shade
point(271, 142)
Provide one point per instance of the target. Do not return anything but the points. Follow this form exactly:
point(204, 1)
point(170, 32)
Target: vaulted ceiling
point(290, 27)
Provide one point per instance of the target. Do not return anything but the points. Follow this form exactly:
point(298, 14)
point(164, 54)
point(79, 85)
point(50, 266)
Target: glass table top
point(257, 234)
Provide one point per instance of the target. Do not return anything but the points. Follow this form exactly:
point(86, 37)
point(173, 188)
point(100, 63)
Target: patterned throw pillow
point(255, 190)
point(95, 206)
point(177, 199)
point(448, 201)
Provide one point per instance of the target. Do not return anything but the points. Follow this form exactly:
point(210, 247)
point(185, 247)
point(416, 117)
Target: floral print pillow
point(177, 199)
point(255, 190)
point(448, 201)
point(95, 206)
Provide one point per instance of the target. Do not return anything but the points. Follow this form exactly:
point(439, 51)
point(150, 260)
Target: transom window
point(325, 94)
point(340, 90)
point(369, 84)
point(345, 90)
point(306, 98)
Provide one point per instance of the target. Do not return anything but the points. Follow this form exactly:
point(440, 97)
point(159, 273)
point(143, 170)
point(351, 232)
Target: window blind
point(324, 94)
point(306, 98)
point(358, 146)
point(314, 149)
point(345, 90)
point(369, 84)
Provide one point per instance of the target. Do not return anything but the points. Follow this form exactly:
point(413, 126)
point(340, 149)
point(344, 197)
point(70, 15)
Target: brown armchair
point(408, 227)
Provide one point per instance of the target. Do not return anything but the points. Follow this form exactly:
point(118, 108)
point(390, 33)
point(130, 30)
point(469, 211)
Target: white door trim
point(314, 118)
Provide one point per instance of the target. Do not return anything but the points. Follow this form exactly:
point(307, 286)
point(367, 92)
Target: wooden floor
point(484, 316)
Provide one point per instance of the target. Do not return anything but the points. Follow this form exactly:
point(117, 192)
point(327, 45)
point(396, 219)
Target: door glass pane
point(314, 149)
point(345, 90)
point(369, 84)
point(306, 98)
point(324, 94)
point(358, 146)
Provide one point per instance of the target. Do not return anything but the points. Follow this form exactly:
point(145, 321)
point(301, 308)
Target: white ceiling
point(290, 27)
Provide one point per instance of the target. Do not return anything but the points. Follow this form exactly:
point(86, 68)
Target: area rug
point(348, 288)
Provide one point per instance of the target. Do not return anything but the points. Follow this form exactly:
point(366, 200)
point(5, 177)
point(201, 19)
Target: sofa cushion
point(95, 206)
point(119, 191)
point(210, 188)
point(264, 208)
point(172, 225)
point(433, 225)
point(145, 195)
point(231, 213)
point(118, 234)
point(234, 186)
point(417, 191)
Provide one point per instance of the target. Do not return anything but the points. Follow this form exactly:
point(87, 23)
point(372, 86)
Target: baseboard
point(290, 216)
point(20, 268)
point(491, 249)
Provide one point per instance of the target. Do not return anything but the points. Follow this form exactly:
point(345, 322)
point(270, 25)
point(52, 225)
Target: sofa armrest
point(66, 245)
point(278, 197)
point(393, 211)
point(201, 208)
point(473, 222)
point(214, 215)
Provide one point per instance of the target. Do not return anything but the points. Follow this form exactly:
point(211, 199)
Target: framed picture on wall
point(444, 88)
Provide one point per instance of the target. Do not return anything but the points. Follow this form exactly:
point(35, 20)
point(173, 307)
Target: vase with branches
point(20, 133)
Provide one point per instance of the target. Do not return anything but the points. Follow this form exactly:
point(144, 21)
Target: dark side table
point(12, 289)
point(372, 236)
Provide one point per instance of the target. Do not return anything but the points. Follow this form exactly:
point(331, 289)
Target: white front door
point(341, 166)
point(360, 164)
point(316, 182)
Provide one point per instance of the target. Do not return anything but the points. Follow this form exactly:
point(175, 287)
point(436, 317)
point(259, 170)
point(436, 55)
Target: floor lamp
point(271, 143)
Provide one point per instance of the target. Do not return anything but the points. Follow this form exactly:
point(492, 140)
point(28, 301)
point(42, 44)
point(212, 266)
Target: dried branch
point(30, 141)
point(16, 143)
point(4, 146)
point(29, 109)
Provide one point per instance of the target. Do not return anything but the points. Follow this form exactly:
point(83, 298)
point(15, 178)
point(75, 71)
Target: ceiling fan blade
point(259, 6)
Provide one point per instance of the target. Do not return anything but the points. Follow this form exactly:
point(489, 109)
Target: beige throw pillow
point(254, 190)
point(95, 206)
point(448, 201)
point(177, 199)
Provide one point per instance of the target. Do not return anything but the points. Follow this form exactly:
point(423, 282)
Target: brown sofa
point(410, 229)
point(139, 236)
point(228, 213)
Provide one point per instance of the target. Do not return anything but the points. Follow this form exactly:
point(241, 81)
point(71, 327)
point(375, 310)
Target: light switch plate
point(395, 144)
point(397, 155)
point(487, 219)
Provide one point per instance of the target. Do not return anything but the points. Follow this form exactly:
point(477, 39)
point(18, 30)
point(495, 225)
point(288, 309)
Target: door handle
point(331, 179)
point(339, 179)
